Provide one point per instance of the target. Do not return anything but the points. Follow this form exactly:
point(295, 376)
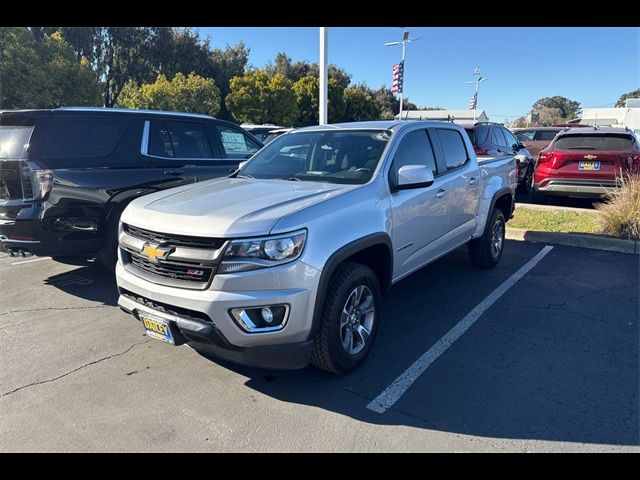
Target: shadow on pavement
point(90, 281)
point(549, 361)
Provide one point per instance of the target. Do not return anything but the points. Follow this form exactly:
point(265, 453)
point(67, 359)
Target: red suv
point(585, 162)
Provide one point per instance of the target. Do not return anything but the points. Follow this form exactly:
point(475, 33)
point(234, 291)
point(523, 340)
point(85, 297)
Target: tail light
point(479, 151)
point(545, 157)
point(36, 184)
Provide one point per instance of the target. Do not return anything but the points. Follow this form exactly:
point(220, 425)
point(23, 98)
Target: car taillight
point(36, 184)
point(479, 151)
point(545, 157)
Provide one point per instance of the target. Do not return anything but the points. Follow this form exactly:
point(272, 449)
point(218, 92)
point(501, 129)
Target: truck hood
point(226, 207)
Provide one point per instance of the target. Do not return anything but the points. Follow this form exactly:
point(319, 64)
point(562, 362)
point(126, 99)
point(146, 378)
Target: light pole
point(323, 114)
point(403, 42)
point(477, 81)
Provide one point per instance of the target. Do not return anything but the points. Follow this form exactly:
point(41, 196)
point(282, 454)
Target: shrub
point(620, 213)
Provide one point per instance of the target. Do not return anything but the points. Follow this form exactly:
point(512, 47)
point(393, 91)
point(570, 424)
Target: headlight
point(254, 253)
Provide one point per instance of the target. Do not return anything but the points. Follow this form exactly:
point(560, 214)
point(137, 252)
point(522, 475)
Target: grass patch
point(554, 221)
point(620, 214)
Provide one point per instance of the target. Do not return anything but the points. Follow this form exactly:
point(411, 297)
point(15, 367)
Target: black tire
point(108, 254)
point(527, 182)
point(328, 351)
point(481, 250)
point(538, 197)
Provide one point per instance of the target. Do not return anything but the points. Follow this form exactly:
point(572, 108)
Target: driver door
point(420, 216)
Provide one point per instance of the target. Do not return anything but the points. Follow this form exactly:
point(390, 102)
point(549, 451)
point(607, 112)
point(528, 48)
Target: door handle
point(473, 180)
point(173, 172)
point(441, 193)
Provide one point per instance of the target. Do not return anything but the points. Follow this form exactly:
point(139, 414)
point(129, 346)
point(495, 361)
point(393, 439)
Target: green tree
point(389, 104)
point(191, 93)
point(633, 94)
point(43, 73)
point(256, 97)
point(228, 63)
point(307, 91)
point(360, 104)
point(568, 109)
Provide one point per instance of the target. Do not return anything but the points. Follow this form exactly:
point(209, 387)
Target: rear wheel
point(349, 319)
point(108, 255)
point(527, 182)
point(486, 251)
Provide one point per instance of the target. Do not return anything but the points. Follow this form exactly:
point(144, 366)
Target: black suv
point(66, 174)
point(494, 140)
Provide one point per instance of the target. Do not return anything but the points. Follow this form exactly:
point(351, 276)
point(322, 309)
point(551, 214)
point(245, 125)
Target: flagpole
point(477, 81)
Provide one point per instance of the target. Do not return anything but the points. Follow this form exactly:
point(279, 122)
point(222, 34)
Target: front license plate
point(157, 328)
point(589, 166)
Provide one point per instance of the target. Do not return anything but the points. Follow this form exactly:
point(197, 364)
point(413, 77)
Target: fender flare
point(336, 259)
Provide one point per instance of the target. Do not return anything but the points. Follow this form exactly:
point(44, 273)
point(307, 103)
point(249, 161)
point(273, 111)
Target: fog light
point(267, 315)
point(268, 318)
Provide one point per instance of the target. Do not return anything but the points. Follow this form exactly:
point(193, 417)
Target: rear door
point(460, 183)
point(188, 150)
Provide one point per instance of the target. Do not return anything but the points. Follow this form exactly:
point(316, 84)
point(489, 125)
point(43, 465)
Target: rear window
point(478, 135)
point(524, 135)
point(14, 141)
point(595, 142)
point(83, 137)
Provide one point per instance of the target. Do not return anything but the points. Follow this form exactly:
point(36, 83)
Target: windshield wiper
point(294, 179)
point(244, 176)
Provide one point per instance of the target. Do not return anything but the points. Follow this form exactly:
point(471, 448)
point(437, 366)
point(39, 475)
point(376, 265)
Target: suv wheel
point(527, 182)
point(349, 319)
point(486, 251)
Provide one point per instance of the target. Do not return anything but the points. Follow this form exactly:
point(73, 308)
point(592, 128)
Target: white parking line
point(31, 261)
point(400, 385)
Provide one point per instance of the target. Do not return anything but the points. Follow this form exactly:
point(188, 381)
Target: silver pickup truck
point(284, 262)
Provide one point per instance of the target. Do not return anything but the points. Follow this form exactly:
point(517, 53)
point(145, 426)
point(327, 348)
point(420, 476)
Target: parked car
point(261, 132)
point(285, 261)
point(66, 174)
point(494, 140)
point(276, 133)
point(537, 138)
point(585, 162)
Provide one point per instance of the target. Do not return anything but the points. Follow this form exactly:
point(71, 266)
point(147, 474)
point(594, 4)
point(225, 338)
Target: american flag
point(396, 84)
point(473, 102)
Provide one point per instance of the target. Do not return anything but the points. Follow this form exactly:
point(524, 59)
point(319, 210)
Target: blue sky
point(591, 65)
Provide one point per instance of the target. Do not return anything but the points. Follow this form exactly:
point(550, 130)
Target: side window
point(545, 135)
point(525, 136)
point(235, 143)
point(511, 140)
point(455, 153)
point(502, 141)
point(83, 137)
point(482, 134)
point(414, 149)
point(179, 140)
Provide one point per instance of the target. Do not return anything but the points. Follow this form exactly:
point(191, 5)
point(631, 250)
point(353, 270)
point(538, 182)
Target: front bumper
point(202, 316)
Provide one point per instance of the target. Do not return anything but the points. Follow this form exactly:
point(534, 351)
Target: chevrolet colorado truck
point(284, 262)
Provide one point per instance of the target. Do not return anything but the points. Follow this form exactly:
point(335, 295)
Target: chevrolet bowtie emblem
point(154, 252)
point(590, 157)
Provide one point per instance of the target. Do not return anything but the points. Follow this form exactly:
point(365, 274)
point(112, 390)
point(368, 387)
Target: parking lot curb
point(582, 240)
point(557, 208)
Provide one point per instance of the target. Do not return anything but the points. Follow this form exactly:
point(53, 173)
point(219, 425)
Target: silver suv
point(285, 261)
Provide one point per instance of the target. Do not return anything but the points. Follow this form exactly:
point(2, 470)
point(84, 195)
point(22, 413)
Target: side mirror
point(519, 146)
point(414, 176)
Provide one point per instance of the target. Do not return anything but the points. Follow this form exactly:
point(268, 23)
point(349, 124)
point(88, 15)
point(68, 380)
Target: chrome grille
point(191, 262)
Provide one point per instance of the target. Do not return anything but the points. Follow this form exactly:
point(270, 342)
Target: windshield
point(343, 156)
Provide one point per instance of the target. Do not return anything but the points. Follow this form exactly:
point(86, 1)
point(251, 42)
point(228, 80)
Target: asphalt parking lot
point(552, 365)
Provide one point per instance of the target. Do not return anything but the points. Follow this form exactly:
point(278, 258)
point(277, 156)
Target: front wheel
point(486, 251)
point(349, 319)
